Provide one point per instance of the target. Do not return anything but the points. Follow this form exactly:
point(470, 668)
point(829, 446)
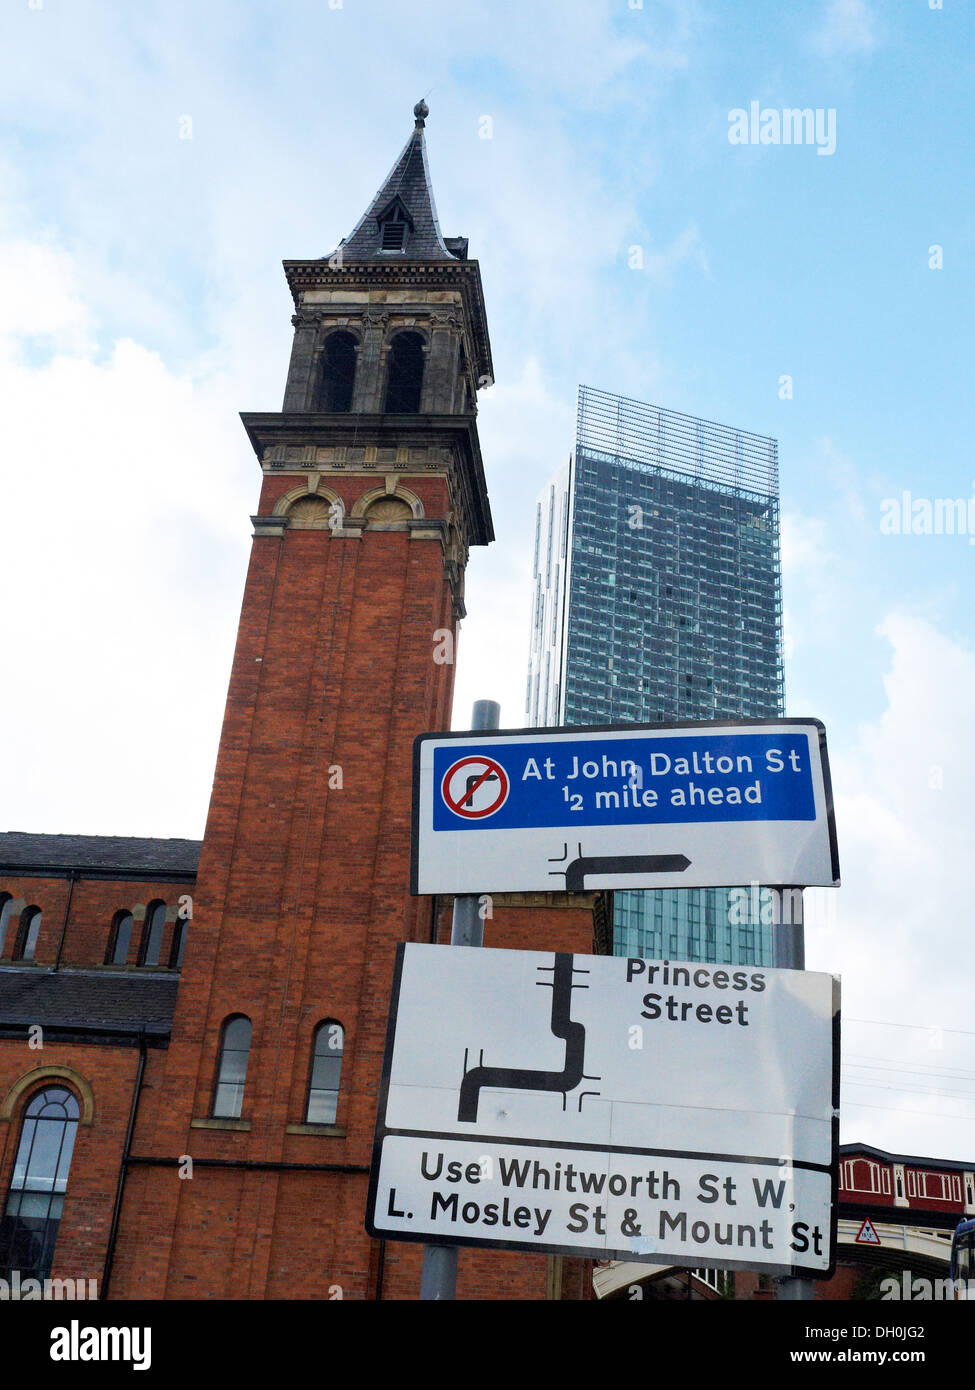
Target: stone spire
point(401, 221)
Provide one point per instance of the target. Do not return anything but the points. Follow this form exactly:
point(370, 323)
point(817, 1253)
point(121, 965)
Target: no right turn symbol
point(475, 787)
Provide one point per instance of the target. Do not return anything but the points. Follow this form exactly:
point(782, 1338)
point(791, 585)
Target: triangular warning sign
point(867, 1235)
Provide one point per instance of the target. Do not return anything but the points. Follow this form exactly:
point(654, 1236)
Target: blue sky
point(142, 305)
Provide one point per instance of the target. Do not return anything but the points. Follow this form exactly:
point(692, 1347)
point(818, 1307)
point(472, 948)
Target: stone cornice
point(303, 434)
point(269, 525)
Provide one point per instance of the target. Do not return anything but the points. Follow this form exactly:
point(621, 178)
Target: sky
point(160, 161)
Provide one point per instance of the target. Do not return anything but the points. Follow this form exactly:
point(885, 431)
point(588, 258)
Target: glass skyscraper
point(657, 596)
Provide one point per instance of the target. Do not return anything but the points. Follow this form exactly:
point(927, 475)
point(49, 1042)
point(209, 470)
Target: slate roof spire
point(405, 197)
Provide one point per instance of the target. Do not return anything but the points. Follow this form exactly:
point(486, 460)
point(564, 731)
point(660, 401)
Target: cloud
point(519, 420)
point(686, 246)
point(803, 543)
point(126, 492)
point(849, 27)
point(40, 300)
point(901, 928)
point(812, 578)
point(842, 473)
point(593, 51)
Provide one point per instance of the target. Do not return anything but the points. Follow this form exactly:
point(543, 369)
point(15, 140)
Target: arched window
point(6, 912)
point(338, 373)
point(404, 381)
point(29, 1225)
point(119, 939)
point(30, 925)
point(235, 1046)
point(326, 1073)
point(179, 942)
point(152, 934)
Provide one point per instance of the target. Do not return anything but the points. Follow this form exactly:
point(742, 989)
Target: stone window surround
point(355, 519)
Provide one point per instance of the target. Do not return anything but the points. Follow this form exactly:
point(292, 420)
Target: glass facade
point(657, 597)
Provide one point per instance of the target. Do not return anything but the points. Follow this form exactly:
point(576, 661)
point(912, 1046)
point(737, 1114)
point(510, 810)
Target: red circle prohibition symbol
point(487, 770)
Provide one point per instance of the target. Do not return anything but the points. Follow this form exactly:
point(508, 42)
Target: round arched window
point(338, 373)
point(326, 1073)
point(35, 1198)
point(404, 382)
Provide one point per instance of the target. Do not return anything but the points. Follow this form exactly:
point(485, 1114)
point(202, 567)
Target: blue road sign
point(680, 805)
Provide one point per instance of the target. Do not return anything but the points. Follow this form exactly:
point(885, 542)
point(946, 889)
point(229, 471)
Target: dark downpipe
point(123, 1168)
point(255, 1165)
point(73, 877)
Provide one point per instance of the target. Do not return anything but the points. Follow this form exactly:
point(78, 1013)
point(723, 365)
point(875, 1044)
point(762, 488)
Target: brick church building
point(191, 1033)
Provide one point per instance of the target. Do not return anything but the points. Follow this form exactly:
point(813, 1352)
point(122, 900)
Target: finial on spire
point(404, 201)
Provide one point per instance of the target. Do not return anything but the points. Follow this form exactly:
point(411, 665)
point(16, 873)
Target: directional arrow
point(580, 869)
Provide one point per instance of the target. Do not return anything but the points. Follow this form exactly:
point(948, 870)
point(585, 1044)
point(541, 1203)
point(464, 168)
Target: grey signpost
point(439, 1277)
point(789, 953)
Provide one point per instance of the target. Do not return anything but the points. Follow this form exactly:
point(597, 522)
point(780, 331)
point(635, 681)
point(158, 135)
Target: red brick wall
point(94, 903)
point(50, 895)
point(300, 902)
point(301, 899)
point(109, 1071)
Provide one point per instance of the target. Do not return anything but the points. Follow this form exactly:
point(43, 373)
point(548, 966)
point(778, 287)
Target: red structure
point(929, 1191)
point(201, 1126)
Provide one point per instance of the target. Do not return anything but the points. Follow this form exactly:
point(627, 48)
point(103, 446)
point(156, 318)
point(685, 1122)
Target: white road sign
point(670, 1112)
point(637, 806)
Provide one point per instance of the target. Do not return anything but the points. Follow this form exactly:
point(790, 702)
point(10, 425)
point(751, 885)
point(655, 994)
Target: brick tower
point(373, 492)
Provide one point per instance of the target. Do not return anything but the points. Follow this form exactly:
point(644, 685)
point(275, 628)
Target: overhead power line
point(900, 1110)
point(921, 1027)
point(912, 1090)
point(890, 1064)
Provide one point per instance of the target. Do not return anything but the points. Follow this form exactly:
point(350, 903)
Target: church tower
point(373, 493)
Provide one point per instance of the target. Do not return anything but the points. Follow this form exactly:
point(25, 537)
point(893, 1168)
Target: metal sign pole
point(439, 1277)
point(789, 953)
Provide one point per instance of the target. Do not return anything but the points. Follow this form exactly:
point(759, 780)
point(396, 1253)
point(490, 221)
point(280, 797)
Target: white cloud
point(809, 588)
point(903, 922)
point(40, 299)
point(518, 421)
point(848, 27)
point(840, 469)
point(803, 542)
point(125, 495)
point(687, 245)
